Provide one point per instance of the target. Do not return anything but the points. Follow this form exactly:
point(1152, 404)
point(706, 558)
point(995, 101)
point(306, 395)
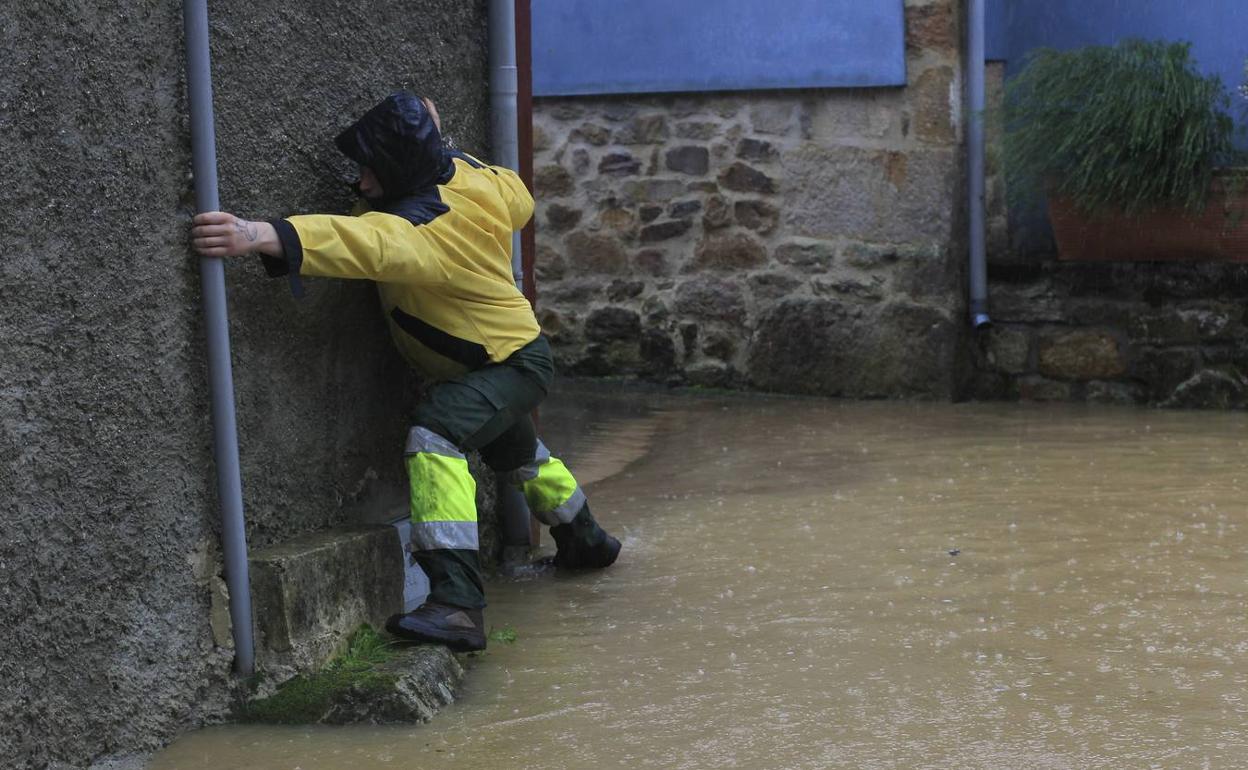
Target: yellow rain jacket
point(440, 253)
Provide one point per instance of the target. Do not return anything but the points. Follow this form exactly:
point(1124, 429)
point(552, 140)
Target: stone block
point(718, 213)
point(684, 209)
point(552, 181)
point(807, 255)
point(1163, 370)
point(312, 592)
point(1114, 393)
point(871, 290)
point(649, 213)
point(832, 347)
point(711, 374)
point(645, 129)
point(757, 151)
point(621, 289)
point(653, 190)
point(658, 352)
point(870, 195)
point(1009, 349)
point(613, 324)
point(1191, 324)
point(620, 221)
point(572, 291)
point(697, 130)
point(662, 231)
point(549, 265)
point(735, 251)
point(1212, 388)
point(617, 111)
point(720, 345)
point(772, 116)
point(560, 218)
point(651, 262)
point(619, 164)
point(932, 27)
point(1032, 302)
point(854, 114)
point(591, 133)
point(688, 160)
point(932, 100)
point(768, 287)
point(563, 109)
point(595, 254)
point(1033, 388)
point(541, 139)
point(1081, 356)
point(759, 216)
point(740, 177)
point(710, 299)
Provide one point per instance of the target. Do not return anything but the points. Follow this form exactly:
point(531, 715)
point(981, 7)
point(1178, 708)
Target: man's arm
point(218, 234)
point(378, 247)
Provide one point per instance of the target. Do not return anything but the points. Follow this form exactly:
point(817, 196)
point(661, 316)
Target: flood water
point(824, 584)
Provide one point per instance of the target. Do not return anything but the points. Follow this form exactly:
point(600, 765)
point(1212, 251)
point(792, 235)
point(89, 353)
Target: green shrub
point(1128, 127)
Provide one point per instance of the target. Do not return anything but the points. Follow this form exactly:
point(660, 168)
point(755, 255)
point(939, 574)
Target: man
point(437, 241)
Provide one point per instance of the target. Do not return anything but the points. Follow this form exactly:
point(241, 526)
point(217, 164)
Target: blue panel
point(645, 46)
point(1216, 28)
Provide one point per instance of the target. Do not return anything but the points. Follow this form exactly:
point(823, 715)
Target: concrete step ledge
point(311, 593)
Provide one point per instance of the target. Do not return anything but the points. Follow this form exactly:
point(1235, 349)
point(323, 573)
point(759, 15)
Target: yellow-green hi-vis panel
point(443, 493)
point(549, 488)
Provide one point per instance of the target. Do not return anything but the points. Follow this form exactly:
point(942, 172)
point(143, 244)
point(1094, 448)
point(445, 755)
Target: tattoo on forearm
point(247, 229)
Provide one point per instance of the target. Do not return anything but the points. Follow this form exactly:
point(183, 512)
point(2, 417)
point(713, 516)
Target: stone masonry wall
point(109, 534)
point(799, 241)
point(1170, 334)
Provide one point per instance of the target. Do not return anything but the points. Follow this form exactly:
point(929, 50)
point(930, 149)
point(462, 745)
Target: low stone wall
point(1167, 334)
point(802, 241)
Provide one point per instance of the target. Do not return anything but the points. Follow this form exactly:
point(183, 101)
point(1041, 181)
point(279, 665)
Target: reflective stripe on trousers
point(549, 488)
point(443, 493)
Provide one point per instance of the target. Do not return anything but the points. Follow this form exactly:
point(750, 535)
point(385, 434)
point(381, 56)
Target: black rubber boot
point(461, 629)
point(582, 544)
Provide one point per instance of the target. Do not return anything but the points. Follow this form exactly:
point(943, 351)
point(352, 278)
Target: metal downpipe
point(505, 144)
point(504, 88)
point(975, 164)
point(220, 375)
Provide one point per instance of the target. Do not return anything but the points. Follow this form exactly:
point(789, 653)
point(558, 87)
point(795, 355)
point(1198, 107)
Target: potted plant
point(1132, 147)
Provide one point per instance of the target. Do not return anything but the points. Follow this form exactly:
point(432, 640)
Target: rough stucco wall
point(109, 512)
point(801, 241)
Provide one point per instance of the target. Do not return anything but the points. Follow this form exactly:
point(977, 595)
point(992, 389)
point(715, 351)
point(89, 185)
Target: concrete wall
point(801, 241)
point(109, 539)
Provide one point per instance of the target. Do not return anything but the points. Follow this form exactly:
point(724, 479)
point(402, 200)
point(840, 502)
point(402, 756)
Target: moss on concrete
point(306, 698)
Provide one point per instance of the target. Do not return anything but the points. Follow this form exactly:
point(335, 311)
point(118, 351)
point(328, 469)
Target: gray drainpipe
point(975, 164)
point(505, 143)
point(221, 379)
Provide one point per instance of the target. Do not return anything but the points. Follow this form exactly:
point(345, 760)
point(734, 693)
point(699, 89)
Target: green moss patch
point(306, 699)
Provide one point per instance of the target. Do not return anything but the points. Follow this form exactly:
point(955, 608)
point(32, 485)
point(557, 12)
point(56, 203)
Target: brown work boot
point(463, 630)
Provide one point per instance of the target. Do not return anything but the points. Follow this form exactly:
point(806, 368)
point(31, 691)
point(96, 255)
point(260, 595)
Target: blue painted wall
point(638, 46)
point(1218, 29)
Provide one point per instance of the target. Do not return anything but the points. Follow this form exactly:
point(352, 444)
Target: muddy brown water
point(821, 584)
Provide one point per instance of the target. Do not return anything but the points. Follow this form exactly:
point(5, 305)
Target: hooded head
point(399, 140)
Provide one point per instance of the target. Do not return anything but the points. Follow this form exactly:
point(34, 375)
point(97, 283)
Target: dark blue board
point(648, 46)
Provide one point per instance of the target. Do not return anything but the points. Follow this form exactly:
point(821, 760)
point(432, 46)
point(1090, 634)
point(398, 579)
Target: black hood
point(398, 140)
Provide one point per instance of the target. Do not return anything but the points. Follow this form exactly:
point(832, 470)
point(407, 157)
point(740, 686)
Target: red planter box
point(1220, 233)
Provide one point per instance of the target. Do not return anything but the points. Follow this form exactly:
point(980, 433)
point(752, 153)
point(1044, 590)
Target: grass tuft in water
point(305, 699)
point(504, 635)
